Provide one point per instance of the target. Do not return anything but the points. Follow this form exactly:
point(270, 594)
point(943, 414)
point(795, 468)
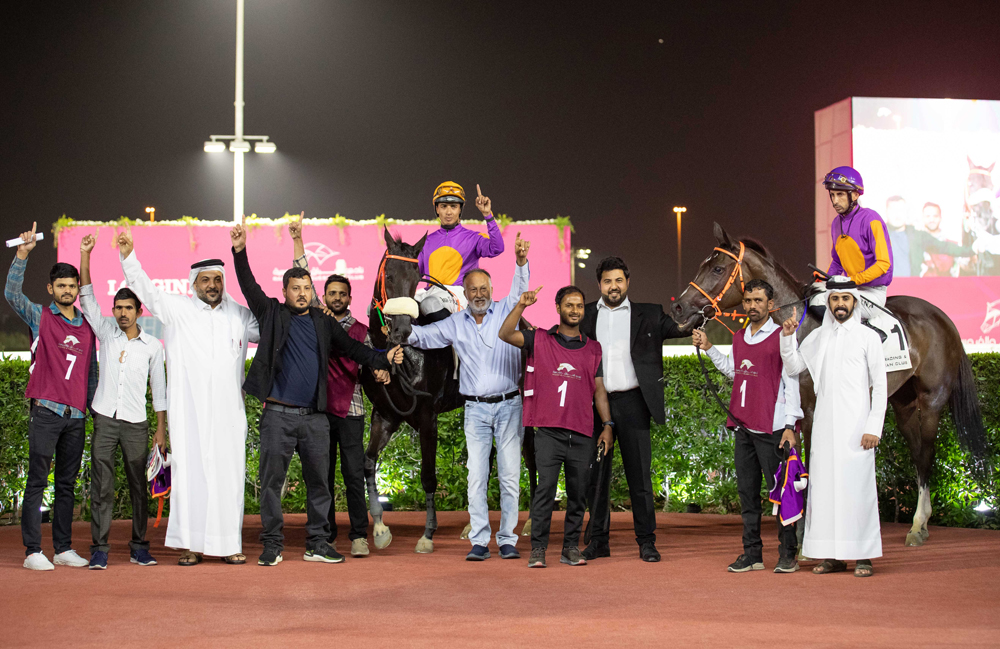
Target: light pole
point(678, 211)
point(152, 213)
point(239, 143)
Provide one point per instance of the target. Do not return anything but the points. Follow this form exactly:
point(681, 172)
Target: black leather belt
point(494, 399)
point(622, 394)
point(292, 410)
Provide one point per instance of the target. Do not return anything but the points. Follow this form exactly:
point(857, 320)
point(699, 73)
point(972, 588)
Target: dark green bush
point(692, 457)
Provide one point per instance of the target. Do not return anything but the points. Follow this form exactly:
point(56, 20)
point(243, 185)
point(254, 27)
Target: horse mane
point(765, 254)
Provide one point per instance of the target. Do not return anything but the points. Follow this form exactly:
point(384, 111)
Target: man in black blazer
point(631, 336)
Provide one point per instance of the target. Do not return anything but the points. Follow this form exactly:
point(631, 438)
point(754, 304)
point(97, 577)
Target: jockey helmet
point(449, 192)
point(845, 179)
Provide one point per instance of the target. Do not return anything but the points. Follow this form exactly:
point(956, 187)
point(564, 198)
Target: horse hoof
point(424, 546)
point(526, 530)
point(914, 539)
point(466, 531)
point(924, 534)
point(383, 540)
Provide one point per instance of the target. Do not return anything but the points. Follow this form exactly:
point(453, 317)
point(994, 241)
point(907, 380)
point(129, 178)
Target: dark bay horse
point(422, 388)
point(940, 374)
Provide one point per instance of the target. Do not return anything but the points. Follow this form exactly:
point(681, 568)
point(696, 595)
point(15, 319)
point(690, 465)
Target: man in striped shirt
point(128, 357)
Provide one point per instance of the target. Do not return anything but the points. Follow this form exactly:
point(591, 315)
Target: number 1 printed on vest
point(743, 394)
point(562, 391)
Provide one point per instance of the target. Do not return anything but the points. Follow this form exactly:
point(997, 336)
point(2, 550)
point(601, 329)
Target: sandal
point(863, 569)
point(828, 566)
point(189, 559)
point(235, 559)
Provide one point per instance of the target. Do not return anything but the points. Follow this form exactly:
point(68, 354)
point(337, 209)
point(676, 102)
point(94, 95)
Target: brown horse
point(940, 374)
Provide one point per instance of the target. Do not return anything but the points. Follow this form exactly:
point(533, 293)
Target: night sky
point(609, 114)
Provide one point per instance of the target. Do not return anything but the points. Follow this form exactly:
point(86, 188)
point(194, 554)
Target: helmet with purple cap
point(845, 179)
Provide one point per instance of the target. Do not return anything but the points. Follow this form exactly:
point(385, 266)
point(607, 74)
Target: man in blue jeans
point(488, 375)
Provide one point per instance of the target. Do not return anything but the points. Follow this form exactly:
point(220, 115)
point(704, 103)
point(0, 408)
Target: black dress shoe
point(596, 550)
point(648, 552)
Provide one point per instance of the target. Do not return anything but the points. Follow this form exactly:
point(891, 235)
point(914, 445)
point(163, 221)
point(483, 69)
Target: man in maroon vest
point(765, 400)
point(345, 405)
point(562, 384)
point(61, 388)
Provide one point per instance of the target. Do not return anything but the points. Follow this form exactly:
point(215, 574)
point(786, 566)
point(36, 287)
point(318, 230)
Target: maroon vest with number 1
point(757, 381)
point(60, 361)
point(559, 385)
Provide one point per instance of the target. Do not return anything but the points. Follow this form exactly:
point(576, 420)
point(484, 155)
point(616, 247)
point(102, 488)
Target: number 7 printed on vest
point(72, 361)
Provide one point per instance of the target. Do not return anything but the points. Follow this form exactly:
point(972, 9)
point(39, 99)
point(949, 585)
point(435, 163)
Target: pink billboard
point(928, 168)
point(353, 249)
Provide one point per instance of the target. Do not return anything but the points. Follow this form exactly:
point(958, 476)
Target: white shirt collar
point(625, 305)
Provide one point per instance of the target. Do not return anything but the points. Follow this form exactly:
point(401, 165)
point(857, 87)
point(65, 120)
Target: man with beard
point(206, 337)
point(61, 387)
point(453, 250)
point(289, 374)
point(631, 335)
point(909, 244)
point(562, 386)
point(766, 402)
point(345, 405)
point(489, 371)
point(847, 367)
point(129, 356)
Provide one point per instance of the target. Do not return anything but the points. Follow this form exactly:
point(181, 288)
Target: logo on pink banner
point(972, 303)
point(167, 251)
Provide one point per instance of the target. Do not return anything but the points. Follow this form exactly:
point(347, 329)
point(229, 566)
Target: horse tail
point(965, 412)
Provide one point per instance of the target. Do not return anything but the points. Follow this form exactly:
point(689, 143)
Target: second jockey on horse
point(452, 251)
point(861, 246)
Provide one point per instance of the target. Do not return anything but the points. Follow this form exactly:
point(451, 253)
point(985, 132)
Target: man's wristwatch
point(609, 423)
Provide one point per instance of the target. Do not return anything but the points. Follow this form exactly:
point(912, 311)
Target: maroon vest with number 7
point(60, 361)
point(559, 385)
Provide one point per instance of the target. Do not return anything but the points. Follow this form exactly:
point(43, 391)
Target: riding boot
point(881, 334)
point(436, 316)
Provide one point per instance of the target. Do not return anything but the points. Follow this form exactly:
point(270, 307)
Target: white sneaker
point(70, 558)
point(37, 561)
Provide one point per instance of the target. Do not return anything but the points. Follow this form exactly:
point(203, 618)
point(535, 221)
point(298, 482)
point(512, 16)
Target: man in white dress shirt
point(765, 400)
point(206, 337)
point(128, 357)
point(847, 366)
point(488, 377)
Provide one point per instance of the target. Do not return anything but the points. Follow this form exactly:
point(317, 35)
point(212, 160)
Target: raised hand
point(789, 326)
point(87, 243)
point(125, 243)
point(521, 248)
point(29, 242)
point(238, 234)
point(528, 298)
point(295, 227)
point(700, 340)
point(483, 202)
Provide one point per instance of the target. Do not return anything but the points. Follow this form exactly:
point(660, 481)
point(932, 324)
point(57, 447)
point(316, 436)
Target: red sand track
point(945, 593)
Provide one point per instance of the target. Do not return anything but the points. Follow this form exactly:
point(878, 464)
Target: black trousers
point(349, 433)
point(51, 435)
point(554, 449)
point(757, 458)
point(631, 417)
point(282, 434)
point(109, 433)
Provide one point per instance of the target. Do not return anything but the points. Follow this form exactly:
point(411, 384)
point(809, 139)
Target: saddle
point(895, 345)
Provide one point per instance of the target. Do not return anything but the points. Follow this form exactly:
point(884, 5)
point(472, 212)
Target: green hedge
point(692, 457)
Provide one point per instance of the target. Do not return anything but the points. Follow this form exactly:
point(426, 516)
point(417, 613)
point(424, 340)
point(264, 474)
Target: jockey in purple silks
point(861, 246)
point(452, 251)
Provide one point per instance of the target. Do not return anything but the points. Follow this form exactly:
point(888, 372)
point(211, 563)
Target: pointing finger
point(795, 313)
point(479, 191)
point(34, 225)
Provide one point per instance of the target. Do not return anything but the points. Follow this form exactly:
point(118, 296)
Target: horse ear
point(972, 165)
point(990, 168)
point(723, 237)
point(418, 246)
point(390, 242)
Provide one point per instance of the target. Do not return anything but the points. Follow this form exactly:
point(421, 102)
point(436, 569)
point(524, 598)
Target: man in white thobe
point(844, 358)
point(206, 338)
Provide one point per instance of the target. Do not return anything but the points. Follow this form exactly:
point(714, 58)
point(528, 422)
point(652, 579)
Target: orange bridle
point(380, 301)
point(714, 302)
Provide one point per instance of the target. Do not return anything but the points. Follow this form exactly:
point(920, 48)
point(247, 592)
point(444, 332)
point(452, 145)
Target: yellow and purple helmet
point(449, 192)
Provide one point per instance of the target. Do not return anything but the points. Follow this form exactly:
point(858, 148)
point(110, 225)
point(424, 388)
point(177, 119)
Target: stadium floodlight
point(239, 146)
point(212, 146)
point(264, 147)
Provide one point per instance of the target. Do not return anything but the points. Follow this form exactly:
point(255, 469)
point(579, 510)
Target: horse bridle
point(713, 303)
